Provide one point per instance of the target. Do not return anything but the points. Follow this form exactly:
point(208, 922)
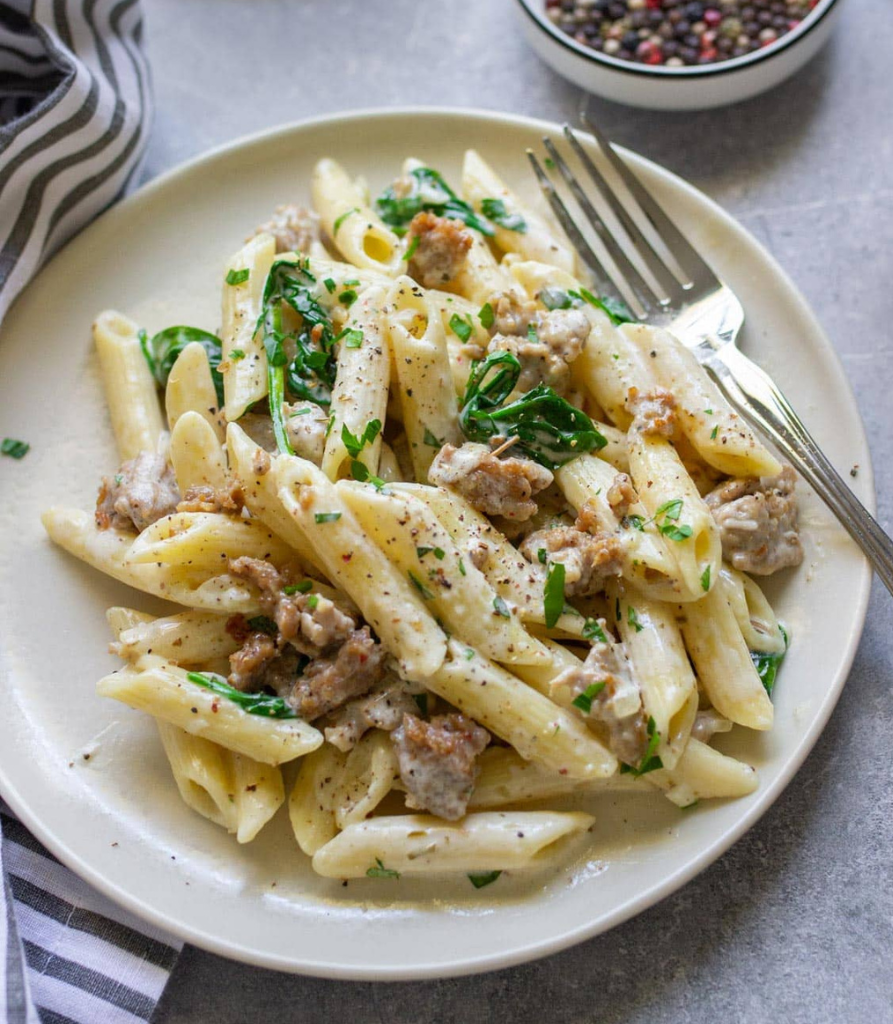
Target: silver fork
point(706, 316)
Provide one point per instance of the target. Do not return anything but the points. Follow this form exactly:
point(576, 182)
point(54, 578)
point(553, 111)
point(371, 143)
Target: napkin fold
point(75, 108)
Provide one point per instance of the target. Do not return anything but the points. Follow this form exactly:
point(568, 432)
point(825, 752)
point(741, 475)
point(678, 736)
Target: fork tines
point(656, 286)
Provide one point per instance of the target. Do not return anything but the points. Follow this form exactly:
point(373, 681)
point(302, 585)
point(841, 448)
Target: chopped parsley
point(352, 337)
point(617, 310)
point(263, 624)
point(237, 354)
point(714, 432)
point(343, 218)
point(767, 664)
point(583, 700)
point(484, 878)
point(501, 608)
point(636, 522)
point(439, 553)
point(262, 704)
point(632, 617)
point(532, 336)
point(330, 285)
point(462, 568)
point(238, 276)
point(461, 326)
point(542, 555)
point(469, 653)
point(13, 448)
point(592, 630)
point(360, 472)
point(411, 248)
point(354, 444)
point(304, 587)
point(313, 602)
point(378, 870)
point(348, 297)
point(495, 210)
point(650, 761)
point(420, 587)
point(327, 517)
point(486, 316)
point(553, 593)
point(705, 579)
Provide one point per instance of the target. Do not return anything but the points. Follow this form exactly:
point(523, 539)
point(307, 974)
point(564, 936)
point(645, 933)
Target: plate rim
point(651, 895)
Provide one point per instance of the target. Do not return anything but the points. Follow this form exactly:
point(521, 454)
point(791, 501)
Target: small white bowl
point(687, 88)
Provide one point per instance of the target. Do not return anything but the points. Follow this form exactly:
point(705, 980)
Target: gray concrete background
point(795, 923)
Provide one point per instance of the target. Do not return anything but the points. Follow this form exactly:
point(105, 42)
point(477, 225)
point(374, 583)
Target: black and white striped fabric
point(67, 954)
point(75, 108)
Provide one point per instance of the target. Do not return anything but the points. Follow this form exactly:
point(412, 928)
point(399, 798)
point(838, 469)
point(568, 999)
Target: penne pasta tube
point(121, 619)
point(533, 239)
point(721, 436)
point(387, 599)
point(507, 779)
point(703, 773)
point(107, 551)
point(753, 613)
point(190, 388)
point(458, 594)
point(660, 664)
point(424, 376)
point(195, 453)
point(360, 395)
point(163, 690)
point(481, 277)
point(647, 563)
point(366, 779)
point(227, 788)
point(311, 808)
point(676, 507)
point(130, 388)
point(244, 362)
point(415, 844)
point(518, 582)
point(350, 222)
point(723, 663)
point(189, 638)
point(252, 467)
point(537, 728)
point(206, 541)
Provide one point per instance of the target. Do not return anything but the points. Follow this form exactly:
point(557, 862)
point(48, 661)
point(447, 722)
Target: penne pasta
point(190, 388)
point(196, 456)
point(311, 806)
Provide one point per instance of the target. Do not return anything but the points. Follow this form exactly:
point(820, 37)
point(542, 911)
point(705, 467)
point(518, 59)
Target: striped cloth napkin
point(75, 107)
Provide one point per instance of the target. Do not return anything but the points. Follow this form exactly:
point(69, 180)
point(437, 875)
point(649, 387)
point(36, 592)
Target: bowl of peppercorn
point(677, 54)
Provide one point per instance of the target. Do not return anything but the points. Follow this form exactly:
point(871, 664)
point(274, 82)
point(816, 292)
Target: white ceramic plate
point(88, 776)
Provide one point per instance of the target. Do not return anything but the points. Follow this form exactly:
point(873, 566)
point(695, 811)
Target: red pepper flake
point(214, 707)
point(347, 557)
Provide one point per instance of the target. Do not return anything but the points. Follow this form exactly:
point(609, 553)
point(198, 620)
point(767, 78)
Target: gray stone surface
point(795, 923)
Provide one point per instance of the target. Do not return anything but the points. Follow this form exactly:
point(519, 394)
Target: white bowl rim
point(743, 63)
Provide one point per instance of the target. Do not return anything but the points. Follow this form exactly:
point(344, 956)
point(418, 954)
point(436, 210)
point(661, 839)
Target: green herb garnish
point(555, 298)
point(494, 209)
point(553, 593)
point(617, 309)
point(431, 440)
point(262, 704)
point(13, 448)
point(380, 871)
point(593, 631)
point(461, 326)
point(304, 587)
point(484, 878)
point(767, 664)
point(714, 432)
point(549, 429)
point(354, 444)
point(162, 349)
point(238, 276)
point(705, 579)
point(263, 624)
point(632, 617)
point(327, 517)
point(486, 316)
point(428, 191)
point(411, 248)
point(650, 761)
point(340, 220)
point(420, 587)
point(501, 608)
point(330, 285)
point(583, 700)
point(348, 297)
point(236, 354)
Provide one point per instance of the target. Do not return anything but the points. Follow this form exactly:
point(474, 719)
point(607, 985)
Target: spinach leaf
point(550, 430)
point(617, 309)
point(479, 880)
point(767, 664)
point(162, 349)
point(553, 593)
point(496, 211)
point(428, 191)
point(254, 703)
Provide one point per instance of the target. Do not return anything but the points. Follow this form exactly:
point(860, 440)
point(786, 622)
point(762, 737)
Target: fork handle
point(754, 392)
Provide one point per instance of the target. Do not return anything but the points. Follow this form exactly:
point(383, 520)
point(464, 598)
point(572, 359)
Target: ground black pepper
point(676, 33)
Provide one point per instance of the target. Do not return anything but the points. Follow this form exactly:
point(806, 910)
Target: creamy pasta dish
point(451, 537)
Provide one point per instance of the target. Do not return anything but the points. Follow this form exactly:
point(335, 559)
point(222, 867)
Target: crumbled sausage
point(383, 707)
point(332, 680)
point(437, 762)
point(306, 424)
point(549, 344)
point(142, 491)
point(495, 486)
point(617, 705)
point(249, 663)
point(511, 315)
point(204, 498)
point(441, 250)
point(654, 412)
point(295, 228)
point(757, 520)
point(588, 559)
point(621, 494)
point(310, 622)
